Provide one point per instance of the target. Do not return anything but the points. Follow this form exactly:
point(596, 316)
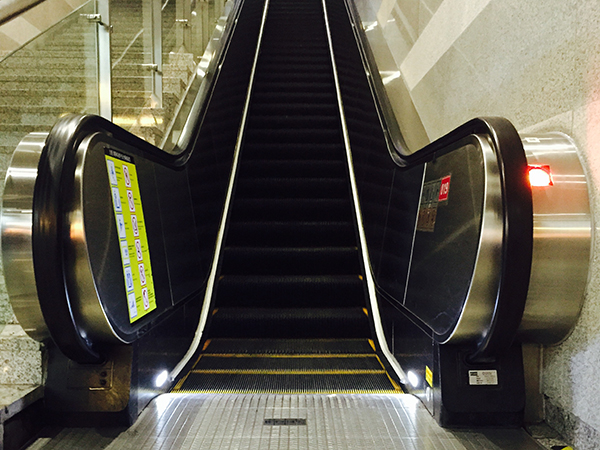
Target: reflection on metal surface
point(17, 222)
point(476, 315)
point(562, 236)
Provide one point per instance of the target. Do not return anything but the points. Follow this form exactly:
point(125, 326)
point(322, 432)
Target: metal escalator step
point(293, 150)
point(291, 291)
point(263, 136)
point(284, 120)
point(290, 260)
point(278, 210)
point(288, 383)
point(289, 346)
point(287, 323)
point(279, 364)
point(292, 169)
point(292, 233)
point(292, 188)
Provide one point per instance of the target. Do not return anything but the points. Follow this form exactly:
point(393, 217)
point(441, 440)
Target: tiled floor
point(227, 421)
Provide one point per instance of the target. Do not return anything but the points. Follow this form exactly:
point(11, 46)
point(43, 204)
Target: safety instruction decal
point(434, 194)
point(131, 229)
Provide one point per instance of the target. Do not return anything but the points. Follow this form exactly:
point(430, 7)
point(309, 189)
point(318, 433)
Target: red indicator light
point(540, 176)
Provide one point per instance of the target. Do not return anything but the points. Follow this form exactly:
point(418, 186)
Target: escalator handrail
point(55, 173)
point(517, 245)
point(54, 181)
point(52, 186)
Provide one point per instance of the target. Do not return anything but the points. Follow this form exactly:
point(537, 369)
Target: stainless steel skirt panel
point(17, 225)
point(562, 240)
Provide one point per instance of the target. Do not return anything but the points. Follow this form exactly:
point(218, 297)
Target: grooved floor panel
point(223, 422)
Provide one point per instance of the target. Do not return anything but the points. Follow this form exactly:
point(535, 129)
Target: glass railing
point(52, 75)
point(132, 62)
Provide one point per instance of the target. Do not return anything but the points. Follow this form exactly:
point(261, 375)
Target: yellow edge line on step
point(288, 372)
point(298, 355)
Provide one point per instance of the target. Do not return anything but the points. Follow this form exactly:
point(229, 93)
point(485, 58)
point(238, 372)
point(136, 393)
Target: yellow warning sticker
point(131, 229)
point(429, 376)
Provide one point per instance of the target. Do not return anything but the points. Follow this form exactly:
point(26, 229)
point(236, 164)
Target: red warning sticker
point(444, 189)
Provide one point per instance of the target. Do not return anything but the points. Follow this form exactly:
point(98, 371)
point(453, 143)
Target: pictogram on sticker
point(126, 176)
point(145, 298)
point(130, 201)
point(134, 225)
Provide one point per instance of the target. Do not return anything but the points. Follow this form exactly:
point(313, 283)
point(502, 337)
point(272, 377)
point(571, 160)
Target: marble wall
point(537, 64)
point(23, 28)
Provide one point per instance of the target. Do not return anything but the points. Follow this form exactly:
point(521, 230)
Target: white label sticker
point(142, 273)
point(116, 199)
point(112, 175)
point(121, 227)
point(483, 377)
point(128, 279)
point(125, 252)
point(132, 305)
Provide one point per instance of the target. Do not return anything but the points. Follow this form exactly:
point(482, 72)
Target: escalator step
point(287, 323)
point(280, 136)
point(292, 188)
point(287, 120)
point(288, 383)
point(290, 260)
point(280, 210)
point(289, 346)
point(292, 169)
point(223, 363)
point(291, 234)
point(291, 291)
point(293, 150)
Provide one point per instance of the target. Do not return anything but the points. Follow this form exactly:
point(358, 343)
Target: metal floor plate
point(258, 421)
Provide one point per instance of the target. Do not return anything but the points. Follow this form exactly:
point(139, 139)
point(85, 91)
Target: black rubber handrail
point(55, 171)
point(517, 236)
point(517, 245)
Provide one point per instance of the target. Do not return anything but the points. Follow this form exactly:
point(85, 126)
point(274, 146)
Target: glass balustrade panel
point(135, 105)
point(50, 76)
point(191, 33)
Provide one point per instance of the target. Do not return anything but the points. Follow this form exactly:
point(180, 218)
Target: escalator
point(290, 313)
point(288, 246)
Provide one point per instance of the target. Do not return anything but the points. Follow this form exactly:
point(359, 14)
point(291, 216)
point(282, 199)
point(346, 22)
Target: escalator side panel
point(388, 199)
point(209, 167)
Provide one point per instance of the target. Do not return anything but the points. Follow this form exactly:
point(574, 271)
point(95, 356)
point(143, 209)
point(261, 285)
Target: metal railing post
point(184, 32)
point(153, 23)
point(104, 29)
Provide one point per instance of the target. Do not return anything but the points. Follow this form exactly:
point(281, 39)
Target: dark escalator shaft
point(290, 312)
